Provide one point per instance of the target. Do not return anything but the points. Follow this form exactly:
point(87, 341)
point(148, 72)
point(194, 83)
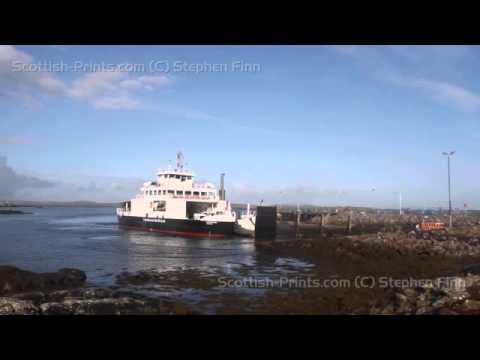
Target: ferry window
point(189, 177)
point(177, 176)
point(183, 178)
point(204, 193)
point(188, 193)
point(179, 192)
point(150, 192)
point(146, 192)
point(195, 193)
point(171, 192)
point(164, 192)
point(155, 192)
point(160, 206)
point(172, 176)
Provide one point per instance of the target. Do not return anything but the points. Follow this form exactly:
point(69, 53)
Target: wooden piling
point(350, 221)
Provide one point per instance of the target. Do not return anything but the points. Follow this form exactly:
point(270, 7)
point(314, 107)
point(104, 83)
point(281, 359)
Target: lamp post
point(400, 211)
point(448, 155)
point(400, 203)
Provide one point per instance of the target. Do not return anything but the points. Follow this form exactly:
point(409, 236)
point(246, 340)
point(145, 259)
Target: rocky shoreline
point(65, 293)
point(452, 295)
point(448, 266)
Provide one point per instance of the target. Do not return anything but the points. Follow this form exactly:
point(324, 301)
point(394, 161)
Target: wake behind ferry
point(175, 204)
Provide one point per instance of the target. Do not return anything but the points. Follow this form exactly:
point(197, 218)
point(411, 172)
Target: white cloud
point(95, 84)
point(145, 82)
point(153, 81)
point(421, 67)
point(454, 93)
point(114, 89)
point(26, 85)
point(116, 103)
point(441, 90)
point(131, 84)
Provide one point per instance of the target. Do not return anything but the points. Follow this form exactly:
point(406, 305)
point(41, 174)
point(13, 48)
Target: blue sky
point(326, 125)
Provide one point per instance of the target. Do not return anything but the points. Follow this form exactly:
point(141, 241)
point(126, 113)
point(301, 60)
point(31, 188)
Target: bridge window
point(160, 206)
point(183, 178)
point(177, 176)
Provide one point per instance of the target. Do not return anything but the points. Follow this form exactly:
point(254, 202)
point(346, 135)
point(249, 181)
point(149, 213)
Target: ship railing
point(193, 197)
point(122, 211)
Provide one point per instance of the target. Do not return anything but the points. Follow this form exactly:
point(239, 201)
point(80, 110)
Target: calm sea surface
point(90, 239)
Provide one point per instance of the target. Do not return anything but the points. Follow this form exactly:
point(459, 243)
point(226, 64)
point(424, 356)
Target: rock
point(36, 297)
point(424, 310)
point(422, 301)
point(401, 298)
point(58, 295)
point(440, 303)
point(375, 311)
point(97, 293)
point(388, 310)
point(92, 302)
point(15, 280)
point(474, 241)
point(403, 304)
point(475, 270)
point(474, 292)
point(110, 306)
point(55, 309)
point(67, 278)
point(180, 309)
point(11, 306)
point(472, 305)
point(446, 311)
point(411, 294)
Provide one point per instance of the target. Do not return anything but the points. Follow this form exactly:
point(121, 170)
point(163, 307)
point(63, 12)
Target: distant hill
point(23, 203)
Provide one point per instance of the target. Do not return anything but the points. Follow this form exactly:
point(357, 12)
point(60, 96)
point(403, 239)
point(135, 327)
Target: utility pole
point(400, 211)
point(400, 202)
point(448, 155)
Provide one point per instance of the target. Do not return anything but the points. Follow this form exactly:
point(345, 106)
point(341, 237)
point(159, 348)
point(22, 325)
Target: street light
point(448, 155)
point(399, 201)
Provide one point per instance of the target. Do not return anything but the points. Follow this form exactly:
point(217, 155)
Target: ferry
point(174, 204)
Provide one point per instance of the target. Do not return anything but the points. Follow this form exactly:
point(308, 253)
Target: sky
point(323, 125)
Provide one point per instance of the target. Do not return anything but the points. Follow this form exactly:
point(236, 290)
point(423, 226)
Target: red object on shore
point(430, 225)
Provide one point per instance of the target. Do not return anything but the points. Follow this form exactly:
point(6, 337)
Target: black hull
point(188, 228)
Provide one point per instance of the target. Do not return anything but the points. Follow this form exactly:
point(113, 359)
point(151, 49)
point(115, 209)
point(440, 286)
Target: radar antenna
point(179, 160)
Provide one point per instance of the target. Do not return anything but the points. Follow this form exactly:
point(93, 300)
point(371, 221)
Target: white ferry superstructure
point(175, 204)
